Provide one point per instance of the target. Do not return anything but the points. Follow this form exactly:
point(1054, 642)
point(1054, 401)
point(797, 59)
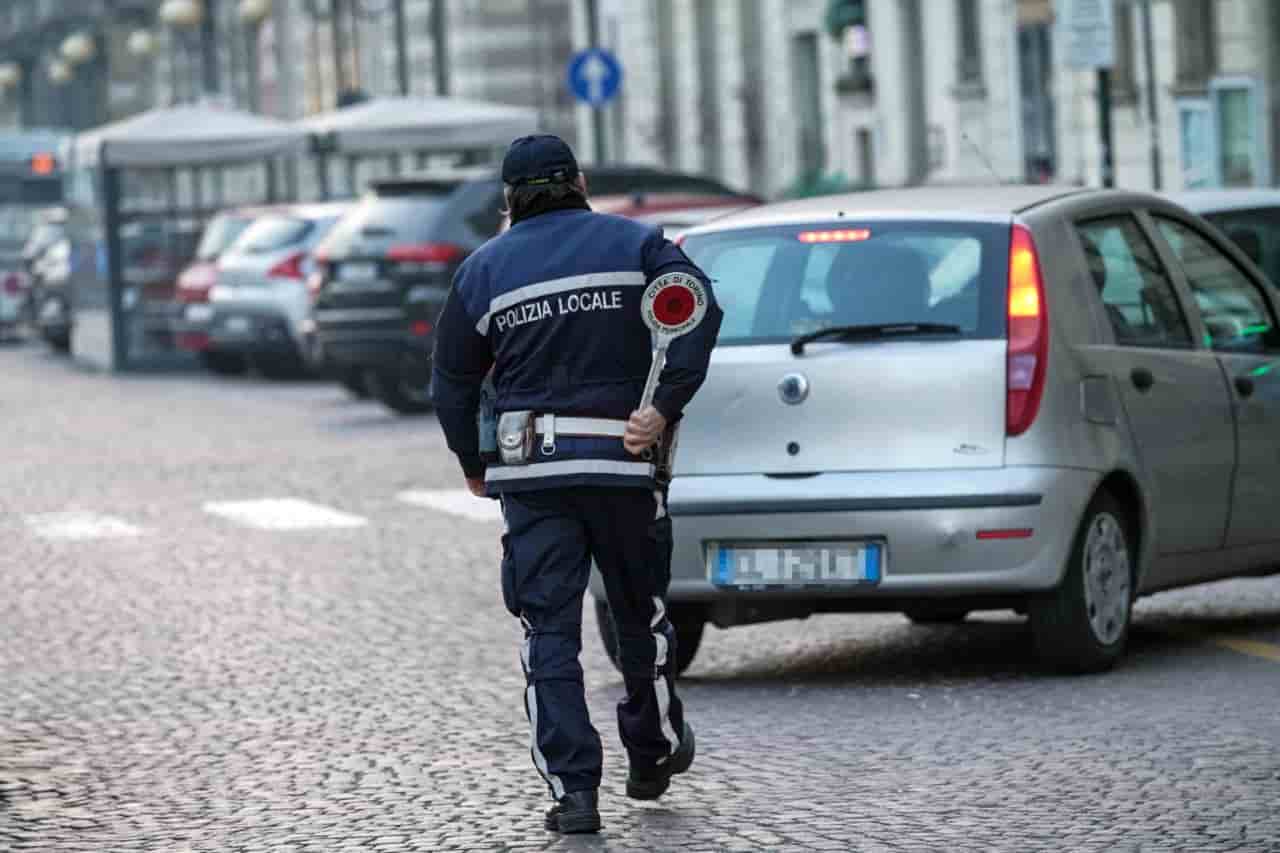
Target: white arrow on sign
point(595, 71)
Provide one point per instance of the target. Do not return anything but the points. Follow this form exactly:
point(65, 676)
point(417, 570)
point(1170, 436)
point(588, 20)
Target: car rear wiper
point(872, 331)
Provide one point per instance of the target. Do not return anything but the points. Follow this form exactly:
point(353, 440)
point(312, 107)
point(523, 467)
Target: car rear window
point(779, 282)
point(383, 221)
point(272, 233)
point(221, 233)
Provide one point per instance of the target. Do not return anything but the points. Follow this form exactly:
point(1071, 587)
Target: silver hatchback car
point(937, 401)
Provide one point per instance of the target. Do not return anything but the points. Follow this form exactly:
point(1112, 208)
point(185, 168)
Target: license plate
point(358, 273)
point(766, 564)
point(236, 325)
point(199, 313)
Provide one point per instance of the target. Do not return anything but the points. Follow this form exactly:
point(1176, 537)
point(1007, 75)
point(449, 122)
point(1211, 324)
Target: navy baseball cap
point(539, 159)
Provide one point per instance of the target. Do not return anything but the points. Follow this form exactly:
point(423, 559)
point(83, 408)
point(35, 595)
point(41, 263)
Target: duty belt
point(550, 426)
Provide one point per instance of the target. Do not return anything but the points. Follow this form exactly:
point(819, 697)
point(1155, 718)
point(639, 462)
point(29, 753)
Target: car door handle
point(1244, 386)
point(1142, 378)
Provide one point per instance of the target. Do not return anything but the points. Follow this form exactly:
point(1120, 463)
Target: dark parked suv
point(384, 271)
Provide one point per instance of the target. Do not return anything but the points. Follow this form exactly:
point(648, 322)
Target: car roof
point(639, 203)
point(1218, 201)
point(428, 178)
point(978, 201)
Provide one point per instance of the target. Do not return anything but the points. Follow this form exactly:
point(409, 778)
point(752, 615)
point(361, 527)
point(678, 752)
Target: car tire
point(59, 341)
point(688, 621)
point(280, 366)
point(935, 615)
point(1082, 625)
point(353, 379)
point(224, 363)
point(389, 388)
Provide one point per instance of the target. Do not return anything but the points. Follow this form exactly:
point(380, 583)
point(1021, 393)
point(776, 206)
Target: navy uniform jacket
point(553, 306)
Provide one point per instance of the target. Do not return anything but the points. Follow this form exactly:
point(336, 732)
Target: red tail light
point(848, 235)
point(1028, 334)
point(12, 284)
point(290, 267)
point(420, 328)
point(427, 253)
point(198, 277)
point(1007, 533)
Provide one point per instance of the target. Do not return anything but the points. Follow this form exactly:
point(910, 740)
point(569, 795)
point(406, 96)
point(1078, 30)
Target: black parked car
point(384, 271)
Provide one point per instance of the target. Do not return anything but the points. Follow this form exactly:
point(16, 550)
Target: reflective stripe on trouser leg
point(531, 710)
point(660, 664)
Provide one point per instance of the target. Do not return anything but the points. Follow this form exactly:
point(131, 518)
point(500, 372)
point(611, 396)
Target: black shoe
point(651, 784)
point(576, 812)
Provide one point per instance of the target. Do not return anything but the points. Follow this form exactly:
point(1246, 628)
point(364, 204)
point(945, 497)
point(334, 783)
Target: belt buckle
point(549, 436)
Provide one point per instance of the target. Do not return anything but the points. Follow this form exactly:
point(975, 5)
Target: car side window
point(1134, 286)
point(1235, 311)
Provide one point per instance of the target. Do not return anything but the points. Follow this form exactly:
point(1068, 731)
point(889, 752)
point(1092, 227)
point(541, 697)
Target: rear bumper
point(372, 338)
point(929, 521)
point(250, 331)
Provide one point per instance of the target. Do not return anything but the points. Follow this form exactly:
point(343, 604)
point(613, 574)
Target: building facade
point(780, 97)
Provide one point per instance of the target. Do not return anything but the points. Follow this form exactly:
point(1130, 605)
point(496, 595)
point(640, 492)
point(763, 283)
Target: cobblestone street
point(251, 616)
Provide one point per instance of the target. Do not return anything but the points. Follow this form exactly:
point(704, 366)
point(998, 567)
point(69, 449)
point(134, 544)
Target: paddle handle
point(655, 370)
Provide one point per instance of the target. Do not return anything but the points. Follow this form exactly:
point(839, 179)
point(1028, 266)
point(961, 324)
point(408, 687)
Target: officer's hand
point(643, 429)
point(476, 485)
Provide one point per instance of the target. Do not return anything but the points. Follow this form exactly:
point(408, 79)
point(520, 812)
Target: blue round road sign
point(595, 76)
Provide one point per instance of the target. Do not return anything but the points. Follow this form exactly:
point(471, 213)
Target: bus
point(31, 170)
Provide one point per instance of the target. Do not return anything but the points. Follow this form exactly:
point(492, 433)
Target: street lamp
point(254, 12)
point(78, 48)
point(182, 13)
point(141, 43)
point(10, 74)
point(60, 73)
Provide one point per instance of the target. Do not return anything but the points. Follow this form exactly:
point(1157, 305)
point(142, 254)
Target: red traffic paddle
point(673, 305)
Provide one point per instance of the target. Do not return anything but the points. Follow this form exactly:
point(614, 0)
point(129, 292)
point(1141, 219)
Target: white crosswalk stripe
point(459, 502)
point(79, 524)
point(283, 514)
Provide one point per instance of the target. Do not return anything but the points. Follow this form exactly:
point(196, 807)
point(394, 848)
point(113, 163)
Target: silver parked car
point(937, 401)
point(260, 302)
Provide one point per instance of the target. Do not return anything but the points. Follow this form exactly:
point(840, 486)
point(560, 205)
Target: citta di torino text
point(530, 312)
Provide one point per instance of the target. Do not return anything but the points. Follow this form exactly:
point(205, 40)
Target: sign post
point(594, 76)
point(1089, 36)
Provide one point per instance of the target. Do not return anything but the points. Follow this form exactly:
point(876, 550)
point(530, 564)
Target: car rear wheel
point(353, 379)
point(224, 363)
point(1082, 626)
point(59, 340)
point(688, 621)
point(393, 390)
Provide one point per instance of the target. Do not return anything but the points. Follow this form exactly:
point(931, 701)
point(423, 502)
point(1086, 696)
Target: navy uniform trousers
point(551, 538)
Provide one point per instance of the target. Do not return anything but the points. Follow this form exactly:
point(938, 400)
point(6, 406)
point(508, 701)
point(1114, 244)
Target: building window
point(1237, 119)
point(1124, 88)
point(1196, 44)
point(806, 95)
point(969, 30)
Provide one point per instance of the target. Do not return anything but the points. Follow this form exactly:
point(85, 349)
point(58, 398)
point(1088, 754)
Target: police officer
point(550, 312)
